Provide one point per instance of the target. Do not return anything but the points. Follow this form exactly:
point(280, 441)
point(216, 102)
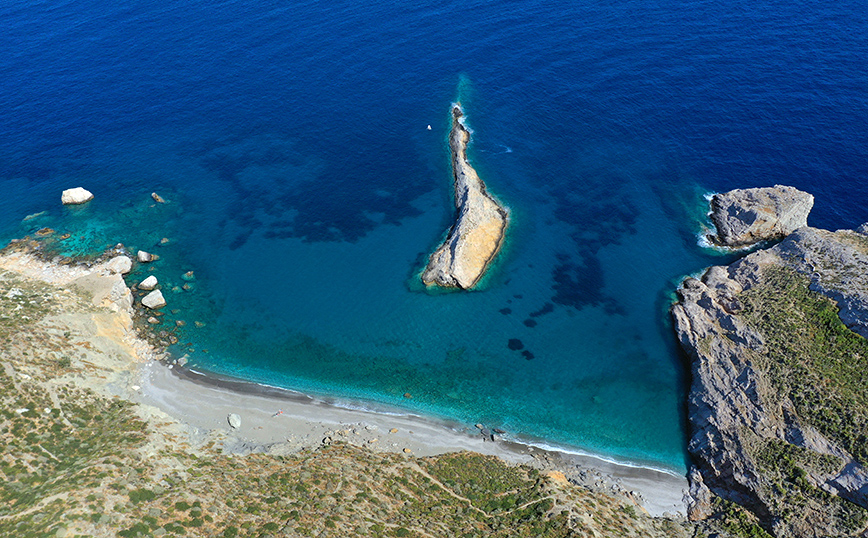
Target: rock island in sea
point(480, 223)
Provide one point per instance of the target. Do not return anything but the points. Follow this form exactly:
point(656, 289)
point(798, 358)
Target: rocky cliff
point(480, 222)
point(778, 405)
point(744, 217)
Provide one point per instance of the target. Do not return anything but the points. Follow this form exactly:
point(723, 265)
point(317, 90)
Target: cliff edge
point(480, 223)
point(778, 405)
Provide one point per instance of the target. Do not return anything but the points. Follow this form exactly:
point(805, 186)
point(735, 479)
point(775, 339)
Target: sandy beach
point(282, 422)
point(195, 409)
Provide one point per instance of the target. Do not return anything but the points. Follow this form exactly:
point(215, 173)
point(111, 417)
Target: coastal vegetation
point(778, 404)
point(76, 462)
point(819, 365)
point(785, 381)
point(812, 357)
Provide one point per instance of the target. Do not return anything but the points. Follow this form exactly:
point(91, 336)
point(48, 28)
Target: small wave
point(613, 461)
point(374, 410)
point(703, 241)
point(506, 149)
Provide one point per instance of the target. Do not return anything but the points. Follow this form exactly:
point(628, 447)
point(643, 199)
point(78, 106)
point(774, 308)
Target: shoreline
point(281, 421)
point(254, 388)
point(195, 407)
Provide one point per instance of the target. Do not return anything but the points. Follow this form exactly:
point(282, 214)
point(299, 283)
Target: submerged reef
point(480, 224)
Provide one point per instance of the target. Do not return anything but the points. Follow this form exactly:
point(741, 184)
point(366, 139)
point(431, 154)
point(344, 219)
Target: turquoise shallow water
point(596, 371)
point(306, 191)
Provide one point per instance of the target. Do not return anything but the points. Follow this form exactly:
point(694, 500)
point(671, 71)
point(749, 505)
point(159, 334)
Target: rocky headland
point(480, 223)
point(778, 405)
point(744, 217)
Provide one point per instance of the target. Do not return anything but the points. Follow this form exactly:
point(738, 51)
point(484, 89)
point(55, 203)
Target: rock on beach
point(76, 196)
point(234, 421)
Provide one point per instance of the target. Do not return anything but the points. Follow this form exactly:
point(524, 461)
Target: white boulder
point(119, 265)
point(234, 421)
point(148, 283)
point(154, 300)
point(77, 195)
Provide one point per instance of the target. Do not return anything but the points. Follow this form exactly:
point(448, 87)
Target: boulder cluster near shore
point(480, 224)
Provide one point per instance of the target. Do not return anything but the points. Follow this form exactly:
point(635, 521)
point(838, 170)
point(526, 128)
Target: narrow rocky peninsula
point(480, 223)
point(778, 405)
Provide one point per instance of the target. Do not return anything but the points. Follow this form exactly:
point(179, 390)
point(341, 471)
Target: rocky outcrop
point(744, 217)
point(735, 406)
point(75, 196)
point(480, 224)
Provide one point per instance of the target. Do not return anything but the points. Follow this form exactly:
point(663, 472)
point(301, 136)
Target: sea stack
point(744, 217)
point(480, 223)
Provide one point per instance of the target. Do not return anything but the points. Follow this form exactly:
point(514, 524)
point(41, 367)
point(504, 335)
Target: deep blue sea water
point(306, 191)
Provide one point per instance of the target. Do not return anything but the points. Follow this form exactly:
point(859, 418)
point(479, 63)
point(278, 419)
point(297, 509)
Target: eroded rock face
point(480, 223)
point(734, 406)
point(74, 196)
point(744, 217)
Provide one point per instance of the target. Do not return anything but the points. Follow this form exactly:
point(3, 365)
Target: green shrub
point(141, 495)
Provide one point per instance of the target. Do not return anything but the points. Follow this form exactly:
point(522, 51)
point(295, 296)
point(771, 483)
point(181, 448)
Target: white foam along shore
point(123, 364)
point(281, 421)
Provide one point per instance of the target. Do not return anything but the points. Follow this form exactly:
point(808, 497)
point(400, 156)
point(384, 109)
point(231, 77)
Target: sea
point(301, 148)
